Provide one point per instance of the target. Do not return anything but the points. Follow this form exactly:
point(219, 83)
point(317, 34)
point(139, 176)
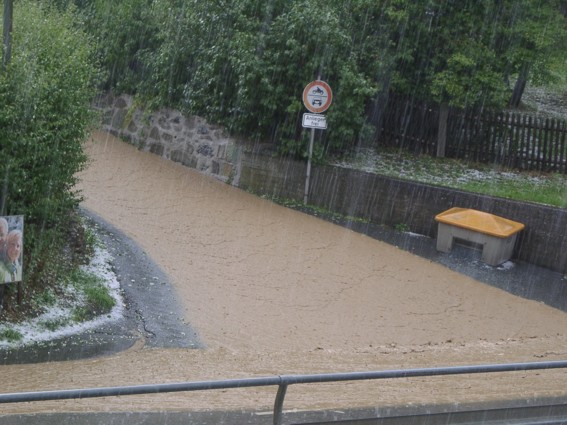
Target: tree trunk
point(519, 87)
point(442, 130)
point(377, 109)
point(7, 24)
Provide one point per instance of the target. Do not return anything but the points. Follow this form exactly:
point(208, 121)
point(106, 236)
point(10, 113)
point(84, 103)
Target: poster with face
point(11, 248)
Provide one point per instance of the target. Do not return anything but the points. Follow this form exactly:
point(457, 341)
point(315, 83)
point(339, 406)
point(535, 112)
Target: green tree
point(464, 52)
point(536, 36)
point(45, 116)
point(244, 63)
point(122, 30)
point(314, 45)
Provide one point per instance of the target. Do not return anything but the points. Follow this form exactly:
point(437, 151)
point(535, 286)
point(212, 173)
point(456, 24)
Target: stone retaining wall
point(191, 141)
point(382, 200)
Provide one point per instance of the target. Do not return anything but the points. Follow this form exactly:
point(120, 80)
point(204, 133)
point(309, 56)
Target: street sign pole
point(308, 174)
point(317, 97)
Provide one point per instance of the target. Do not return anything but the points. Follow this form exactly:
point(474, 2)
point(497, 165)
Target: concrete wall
point(392, 202)
point(197, 144)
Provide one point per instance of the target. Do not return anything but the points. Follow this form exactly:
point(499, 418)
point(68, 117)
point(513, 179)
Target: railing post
point(278, 404)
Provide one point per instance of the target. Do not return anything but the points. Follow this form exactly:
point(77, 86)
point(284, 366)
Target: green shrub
point(45, 116)
point(10, 335)
point(96, 297)
point(99, 299)
point(54, 324)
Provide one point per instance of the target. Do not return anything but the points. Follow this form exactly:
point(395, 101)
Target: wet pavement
point(519, 278)
point(158, 323)
point(152, 306)
point(548, 411)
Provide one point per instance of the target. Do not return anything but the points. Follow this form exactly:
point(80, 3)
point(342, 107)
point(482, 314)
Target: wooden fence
point(514, 140)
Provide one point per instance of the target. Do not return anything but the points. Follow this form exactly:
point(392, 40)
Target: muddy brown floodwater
point(273, 291)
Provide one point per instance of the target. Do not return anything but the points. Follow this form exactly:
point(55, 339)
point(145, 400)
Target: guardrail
point(281, 381)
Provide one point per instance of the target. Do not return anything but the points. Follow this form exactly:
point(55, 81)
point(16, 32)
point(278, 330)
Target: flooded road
point(269, 290)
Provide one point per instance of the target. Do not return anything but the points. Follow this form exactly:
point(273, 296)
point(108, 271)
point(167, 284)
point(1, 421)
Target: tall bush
point(45, 116)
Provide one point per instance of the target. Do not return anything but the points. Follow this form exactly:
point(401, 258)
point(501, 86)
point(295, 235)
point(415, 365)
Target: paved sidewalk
point(519, 278)
point(549, 411)
point(152, 314)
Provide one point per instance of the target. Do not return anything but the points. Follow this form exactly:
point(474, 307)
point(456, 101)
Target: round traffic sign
point(317, 96)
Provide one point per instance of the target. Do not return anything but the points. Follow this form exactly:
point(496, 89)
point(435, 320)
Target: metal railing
point(281, 381)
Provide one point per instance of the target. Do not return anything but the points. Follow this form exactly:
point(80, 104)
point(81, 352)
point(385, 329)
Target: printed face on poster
point(11, 248)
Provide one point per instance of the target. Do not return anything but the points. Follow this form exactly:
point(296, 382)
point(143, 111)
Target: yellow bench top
point(479, 221)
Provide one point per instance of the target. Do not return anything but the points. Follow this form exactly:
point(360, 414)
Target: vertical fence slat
point(553, 145)
point(546, 146)
point(512, 147)
point(540, 147)
point(490, 146)
point(523, 145)
point(562, 155)
point(554, 157)
point(531, 144)
point(478, 120)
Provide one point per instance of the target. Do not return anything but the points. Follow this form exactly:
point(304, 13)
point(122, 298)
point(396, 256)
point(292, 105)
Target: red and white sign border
point(325, 98)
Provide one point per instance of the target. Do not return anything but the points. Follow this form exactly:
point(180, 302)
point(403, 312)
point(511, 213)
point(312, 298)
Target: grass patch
point(402, 228)
point(548, 190)
point(10, 335)
point(44, 299)
point(54, 324)
point(96, 299)
point(81, 314)
point(75, 293)
point(541, 188)
point(99, 299)
point(313, 210)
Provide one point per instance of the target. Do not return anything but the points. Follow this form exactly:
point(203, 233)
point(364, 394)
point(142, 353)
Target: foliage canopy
point(245, 62)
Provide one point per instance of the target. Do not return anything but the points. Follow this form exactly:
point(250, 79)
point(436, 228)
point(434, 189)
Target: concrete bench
point(496, 235)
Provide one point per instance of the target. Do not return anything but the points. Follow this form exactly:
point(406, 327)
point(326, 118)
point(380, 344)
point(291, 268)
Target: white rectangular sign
point(314, 121)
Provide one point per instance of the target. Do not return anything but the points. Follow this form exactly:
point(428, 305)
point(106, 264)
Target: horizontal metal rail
point(282, 381)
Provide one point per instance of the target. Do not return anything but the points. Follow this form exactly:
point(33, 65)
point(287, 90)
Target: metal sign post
point(317, 97)
point(308, 174)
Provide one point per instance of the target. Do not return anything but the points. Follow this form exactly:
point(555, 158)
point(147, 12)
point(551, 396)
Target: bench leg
point(498, 250)
point(444, 238)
